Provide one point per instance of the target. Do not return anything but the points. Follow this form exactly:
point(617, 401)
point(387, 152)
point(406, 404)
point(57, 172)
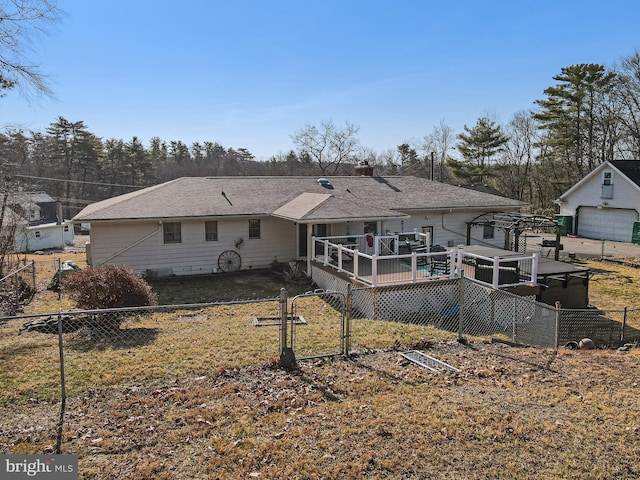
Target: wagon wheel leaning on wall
point(229, 261)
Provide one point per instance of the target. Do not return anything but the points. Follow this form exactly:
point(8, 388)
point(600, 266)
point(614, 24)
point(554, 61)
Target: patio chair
point(418, 248)
point(439, 263)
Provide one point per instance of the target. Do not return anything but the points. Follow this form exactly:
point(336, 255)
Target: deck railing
point(359, 256)
point(499, 272)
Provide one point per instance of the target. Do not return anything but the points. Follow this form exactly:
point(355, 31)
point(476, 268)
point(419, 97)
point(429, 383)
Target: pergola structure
point(516, 223)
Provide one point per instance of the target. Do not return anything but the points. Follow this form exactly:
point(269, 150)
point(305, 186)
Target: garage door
point(606, 223)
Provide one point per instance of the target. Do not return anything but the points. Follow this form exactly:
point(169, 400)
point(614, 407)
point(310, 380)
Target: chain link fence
point(471, 309)
point(325, 332)
point(17, 288)
point(46, 357)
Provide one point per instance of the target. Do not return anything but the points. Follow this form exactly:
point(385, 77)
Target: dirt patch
point(223, 287)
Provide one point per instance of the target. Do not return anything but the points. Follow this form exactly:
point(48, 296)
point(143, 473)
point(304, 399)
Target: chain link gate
point(315, 325)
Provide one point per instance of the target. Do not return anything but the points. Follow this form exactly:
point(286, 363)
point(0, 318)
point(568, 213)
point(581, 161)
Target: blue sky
point(250, 73)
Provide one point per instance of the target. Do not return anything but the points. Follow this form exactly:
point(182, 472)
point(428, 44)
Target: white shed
point(43, 237)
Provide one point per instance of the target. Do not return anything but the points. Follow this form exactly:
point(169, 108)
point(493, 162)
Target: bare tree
point(327, 145)
point(21, 22)
point(436, 147)
point(518, 157)
point(627, 93)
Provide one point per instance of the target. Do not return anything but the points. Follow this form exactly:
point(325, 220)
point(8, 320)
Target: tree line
point(591, 114)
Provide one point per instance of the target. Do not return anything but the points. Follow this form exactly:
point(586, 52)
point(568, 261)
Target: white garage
point(606, 223)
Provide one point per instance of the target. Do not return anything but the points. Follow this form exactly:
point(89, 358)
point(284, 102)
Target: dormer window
point(607, 184)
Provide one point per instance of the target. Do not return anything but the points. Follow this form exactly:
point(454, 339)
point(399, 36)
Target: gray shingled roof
point(631, 168)
point(30, 197)
point(307, 207)
point(349, 197)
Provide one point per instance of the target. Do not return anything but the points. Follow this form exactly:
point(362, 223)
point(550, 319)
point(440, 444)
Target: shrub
point(111, 286)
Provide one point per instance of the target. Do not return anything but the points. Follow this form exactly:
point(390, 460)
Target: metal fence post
point(283, 319)
point(63, 388)
point(515, 315)
point(287, 357)
point(346, 346)
point(557, 334)
point(33, 274)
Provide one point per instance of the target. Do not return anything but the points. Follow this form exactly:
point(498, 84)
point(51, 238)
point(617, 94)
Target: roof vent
point(325, 183)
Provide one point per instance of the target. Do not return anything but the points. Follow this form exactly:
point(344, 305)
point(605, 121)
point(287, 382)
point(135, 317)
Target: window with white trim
point(211, 231)
point(172, 232)
point(254, 228)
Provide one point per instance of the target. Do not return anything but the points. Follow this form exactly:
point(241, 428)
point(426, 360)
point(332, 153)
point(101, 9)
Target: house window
point(66, 228)
point(37, 233)
point(487, 231)
point(371, 227)
point(172, 232)
point(321, 230)
point(607, 184)
point(254, 228)
point(211, 231)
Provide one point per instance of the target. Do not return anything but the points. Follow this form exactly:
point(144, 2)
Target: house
point(34, 221)
point(605, 203)
point(197, 225)
point(45, 236)
point(34, 207)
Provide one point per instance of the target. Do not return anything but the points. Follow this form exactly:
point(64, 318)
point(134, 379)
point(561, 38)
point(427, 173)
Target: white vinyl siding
point(625, 195)
point(141, 246)
point(608, 217)
point(43, 237)
point(449, 229)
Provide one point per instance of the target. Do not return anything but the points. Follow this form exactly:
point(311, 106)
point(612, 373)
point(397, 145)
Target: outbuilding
point(604, 204)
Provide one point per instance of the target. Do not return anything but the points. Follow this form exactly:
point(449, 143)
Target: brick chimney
point(363, 169)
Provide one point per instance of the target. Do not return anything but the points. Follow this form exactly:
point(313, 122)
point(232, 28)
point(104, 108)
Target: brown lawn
point(218, 408)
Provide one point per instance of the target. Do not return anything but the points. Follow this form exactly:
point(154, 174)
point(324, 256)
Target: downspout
point(129, 247)
point(453, 231)
point(310, 247)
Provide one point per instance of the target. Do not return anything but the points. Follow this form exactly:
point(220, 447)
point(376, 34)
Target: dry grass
point(613, 286)
point(194, 395)
point(509, 413)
